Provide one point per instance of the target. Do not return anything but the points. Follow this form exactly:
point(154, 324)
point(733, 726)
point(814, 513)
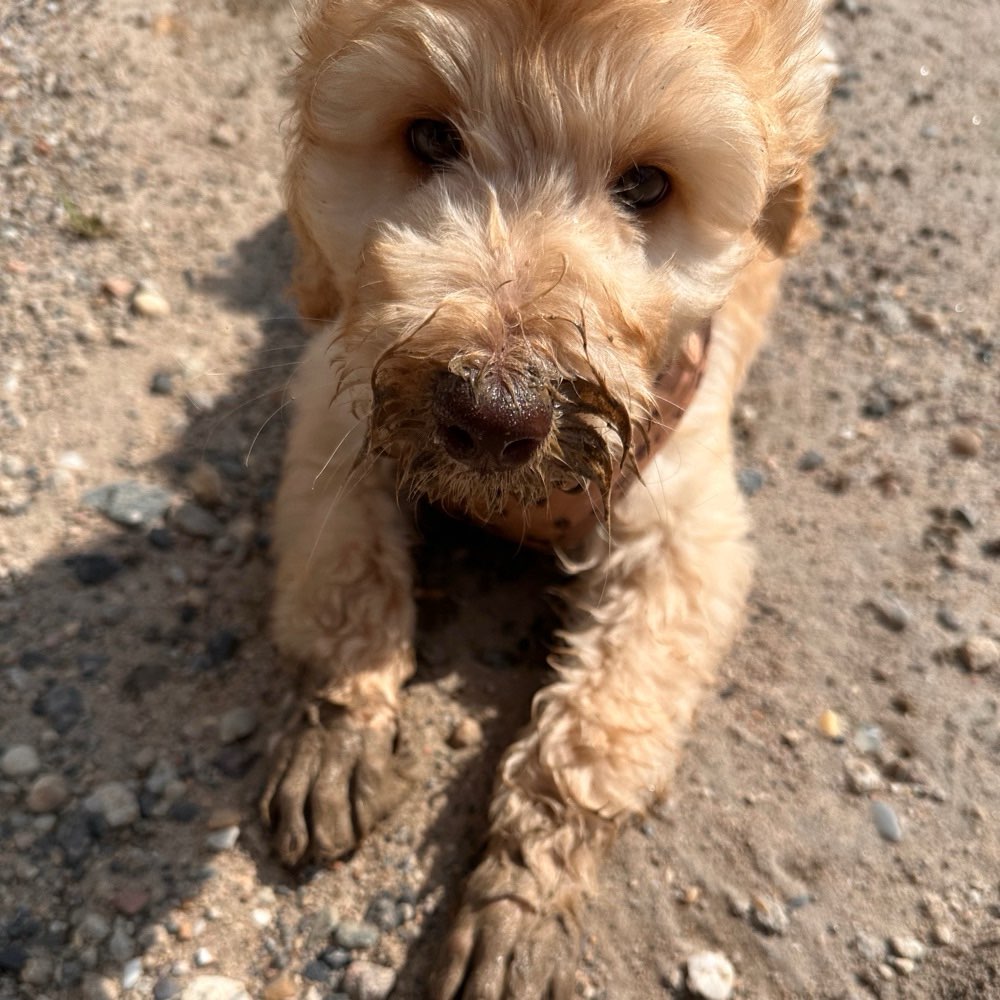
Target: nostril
point(459, 442)
point(520, 451)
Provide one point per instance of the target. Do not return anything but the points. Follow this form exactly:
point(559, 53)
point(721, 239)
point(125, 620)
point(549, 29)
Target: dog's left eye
point(641, 187)
point(434, 142)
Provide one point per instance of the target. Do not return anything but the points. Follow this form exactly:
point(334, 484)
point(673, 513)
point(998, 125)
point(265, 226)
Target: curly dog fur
point(506, 261)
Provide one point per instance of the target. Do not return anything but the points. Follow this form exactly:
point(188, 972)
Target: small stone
point(862, 778)
point(809, 461)
point(197, 522)
point(979, 653)
point(237, 724)
point(131, 973)
point(205, 484)
point(118, 288)
point(130, 503)
point(166, 988)
point(750, 481)
point(262, 918)
point(282, 988)
point(115, 802)
point(37, 970)
point(203, 957)
point(467, 733)
point(223, 840)
point(99, 988)
point(710, 975)
point(131, 900)
point(224, 136)
point(868, 739)
point(830, 725)
point(150, 303)
point(891, 613)
point(316, 971)
point(336, 958)
point(368, 981)
point(214, 988)
point(20, 761)
point(768, 914)
point(870, 948)
point(93, 568)
point(161, 384)
point(62, 705)
point(887, 822)
point(904, 966)
point(92, 928)
point(941, 933)
point(356, 936)
point(383, 912)
point(965, 442)
point(907, 947)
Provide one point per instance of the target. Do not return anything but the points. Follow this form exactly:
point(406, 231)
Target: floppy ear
point(313, 285)
point(785, 225)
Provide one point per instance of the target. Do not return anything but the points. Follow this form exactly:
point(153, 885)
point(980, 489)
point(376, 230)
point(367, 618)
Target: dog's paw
point(332, 779)
point(505, 945)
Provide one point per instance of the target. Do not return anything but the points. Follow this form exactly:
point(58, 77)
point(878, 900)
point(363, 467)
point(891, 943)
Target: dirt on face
point(834, 830)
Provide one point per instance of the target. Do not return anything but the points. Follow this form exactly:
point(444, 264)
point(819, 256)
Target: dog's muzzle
point(490, 422)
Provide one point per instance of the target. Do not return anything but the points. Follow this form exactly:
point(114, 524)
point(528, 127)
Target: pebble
point(809, 461)
point(224, 135)
point(907, 947)
point(20, 761)
point(710, 975)
point(223, 839)
point(355, 935)
point(965, 442)
point(830, 725)
point(870, 947)
point(161, 384)
point(203, 957)
point(769, 915)
point(196, 522)
point(130, 503)
point(887, 822)
point(93, 568)
point(368, 981)
point(37, 970)
point(316, 971)
point(941, 933)
point(13, 958)
point(904, 966)
point(467, 733)
point(862, 778)
point(214, 988)
point(115, 802)
point(237, 724)
point(281, 988)
point(336, 958)
point(205, 484)
point(118, 288)
point(868, 739)
point(166, 988)
point(979, 653)
point(751, 481)
point(62, 705)
point(150, 303)
point(99, 988)
point(891, 613)
point(131, 972)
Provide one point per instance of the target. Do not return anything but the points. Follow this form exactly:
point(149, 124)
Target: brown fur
point(516, 260)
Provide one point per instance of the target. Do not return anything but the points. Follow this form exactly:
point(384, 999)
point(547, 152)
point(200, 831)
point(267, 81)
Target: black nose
point(490, 421)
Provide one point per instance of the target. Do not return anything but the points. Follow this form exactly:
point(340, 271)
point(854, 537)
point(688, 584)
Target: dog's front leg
point(344, 613)
point(650, 621)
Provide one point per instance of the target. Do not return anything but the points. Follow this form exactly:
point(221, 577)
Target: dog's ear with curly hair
point(785, 225)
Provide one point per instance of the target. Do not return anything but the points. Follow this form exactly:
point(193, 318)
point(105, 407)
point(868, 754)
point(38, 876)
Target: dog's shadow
point(135, 648)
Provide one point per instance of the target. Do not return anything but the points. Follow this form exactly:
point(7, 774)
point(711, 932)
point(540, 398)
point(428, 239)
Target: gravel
point(886, 822)
point(710, 975)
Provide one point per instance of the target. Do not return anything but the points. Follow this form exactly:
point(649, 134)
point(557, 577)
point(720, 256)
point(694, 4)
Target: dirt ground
point(145, 338)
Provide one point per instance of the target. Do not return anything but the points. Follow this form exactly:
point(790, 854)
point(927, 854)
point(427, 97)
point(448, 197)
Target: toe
point(330, 812)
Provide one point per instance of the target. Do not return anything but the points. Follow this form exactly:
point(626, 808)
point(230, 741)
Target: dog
point(540, 240)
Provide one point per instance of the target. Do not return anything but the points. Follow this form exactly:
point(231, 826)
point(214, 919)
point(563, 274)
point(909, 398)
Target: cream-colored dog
point(542, 237)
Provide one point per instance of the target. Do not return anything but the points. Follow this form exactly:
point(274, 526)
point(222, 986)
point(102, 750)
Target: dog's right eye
point(433, 142)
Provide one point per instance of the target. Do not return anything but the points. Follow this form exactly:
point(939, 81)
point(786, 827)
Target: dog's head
point(516, 209)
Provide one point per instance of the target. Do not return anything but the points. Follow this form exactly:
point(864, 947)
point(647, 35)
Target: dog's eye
point(641, 187)
point(434, 142)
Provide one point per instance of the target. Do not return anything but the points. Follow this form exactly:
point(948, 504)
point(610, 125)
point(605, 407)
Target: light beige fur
point(516, 256)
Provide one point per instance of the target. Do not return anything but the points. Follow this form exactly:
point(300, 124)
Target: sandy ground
point(141, 144)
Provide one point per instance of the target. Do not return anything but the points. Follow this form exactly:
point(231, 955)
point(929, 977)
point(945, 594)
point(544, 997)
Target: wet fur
point(515, 259)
